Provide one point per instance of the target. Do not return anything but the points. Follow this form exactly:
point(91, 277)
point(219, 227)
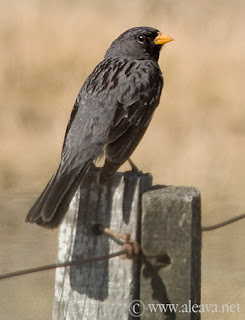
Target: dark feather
point(50, 208)
point(133, 115)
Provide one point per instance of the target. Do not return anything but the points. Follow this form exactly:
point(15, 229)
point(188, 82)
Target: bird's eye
point(141, 38)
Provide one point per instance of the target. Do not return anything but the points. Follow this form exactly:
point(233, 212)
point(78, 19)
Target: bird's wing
point(72, 117)
point(138, 98)
point(85, 138)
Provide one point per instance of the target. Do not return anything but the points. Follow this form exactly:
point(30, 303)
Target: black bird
point(110, 116)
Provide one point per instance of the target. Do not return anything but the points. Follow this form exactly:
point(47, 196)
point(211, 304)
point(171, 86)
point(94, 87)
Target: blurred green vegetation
point(197, 137)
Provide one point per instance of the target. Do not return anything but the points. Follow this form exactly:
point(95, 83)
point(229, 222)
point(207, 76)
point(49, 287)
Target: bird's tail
point(51, 206)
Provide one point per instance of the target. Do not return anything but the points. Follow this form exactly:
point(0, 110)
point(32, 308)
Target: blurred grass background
point(197, 137)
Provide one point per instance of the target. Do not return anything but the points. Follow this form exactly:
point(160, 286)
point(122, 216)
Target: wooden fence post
point(171, 242)
point(101, 290)
point(166, 222)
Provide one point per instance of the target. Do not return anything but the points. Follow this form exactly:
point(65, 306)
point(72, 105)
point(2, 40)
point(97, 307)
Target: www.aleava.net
point(137, 308)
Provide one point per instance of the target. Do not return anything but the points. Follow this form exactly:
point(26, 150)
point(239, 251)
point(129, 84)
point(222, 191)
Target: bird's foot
point(134, 168)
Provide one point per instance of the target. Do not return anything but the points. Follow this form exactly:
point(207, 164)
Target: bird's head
point(141, 43)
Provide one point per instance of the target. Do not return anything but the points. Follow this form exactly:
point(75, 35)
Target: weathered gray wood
point(101, 290)
point(171, 232)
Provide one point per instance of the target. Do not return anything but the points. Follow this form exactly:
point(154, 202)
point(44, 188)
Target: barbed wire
point(63, 264)
point(223, 223)
point(129, 248)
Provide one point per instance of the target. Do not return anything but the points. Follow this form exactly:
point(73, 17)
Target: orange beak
point(162, 39)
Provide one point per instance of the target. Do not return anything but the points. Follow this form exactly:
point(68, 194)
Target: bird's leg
point(134, 168)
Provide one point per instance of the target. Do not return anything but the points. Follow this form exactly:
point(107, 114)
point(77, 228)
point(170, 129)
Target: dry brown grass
point(197, 136)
